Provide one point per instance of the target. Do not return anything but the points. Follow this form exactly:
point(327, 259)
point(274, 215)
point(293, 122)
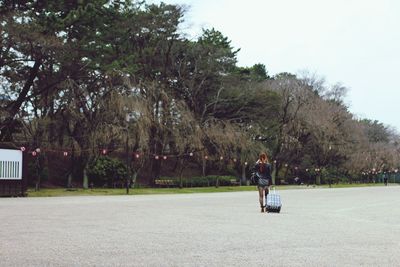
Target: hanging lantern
point(245, 163)
point(65, 153)
point(104, 151)
point(205, 157)
point(165, 157)
point(221, 158)
point(34, 153)
point(156, 157)
point(37, 150)
point(191, 154)
point(234, 160)
point(23, 148)
point(137, 155)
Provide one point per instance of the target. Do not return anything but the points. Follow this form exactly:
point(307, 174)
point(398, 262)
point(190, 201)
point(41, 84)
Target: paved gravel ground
point(317, 227)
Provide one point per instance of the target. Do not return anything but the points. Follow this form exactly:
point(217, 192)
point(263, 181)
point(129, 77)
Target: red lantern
point(65, 153)
point(23, 149)
point(137, 155)
point(206, 157)
point(104, 151)
point(191, 154)
point(156, 157)
point(34, 153)
point(37, 150)
point(165, 157)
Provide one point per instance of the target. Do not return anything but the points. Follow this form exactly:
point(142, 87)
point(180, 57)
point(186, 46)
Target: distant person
point(262, 173)
point(385, 179)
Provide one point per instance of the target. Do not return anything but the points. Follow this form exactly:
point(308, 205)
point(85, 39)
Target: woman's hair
point(263, 159)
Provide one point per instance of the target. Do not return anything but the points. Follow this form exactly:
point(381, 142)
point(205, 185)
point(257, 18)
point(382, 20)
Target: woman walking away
point(263, 173)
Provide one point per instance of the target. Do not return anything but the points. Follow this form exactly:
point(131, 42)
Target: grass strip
point(58, 192)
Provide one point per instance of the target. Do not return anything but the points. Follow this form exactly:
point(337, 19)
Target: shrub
point(107, 171)
point(201, 181)
point(210, 180)
point(175, 180)
point(198, 181)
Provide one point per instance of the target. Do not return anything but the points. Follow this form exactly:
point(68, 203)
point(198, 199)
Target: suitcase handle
point(273, 188)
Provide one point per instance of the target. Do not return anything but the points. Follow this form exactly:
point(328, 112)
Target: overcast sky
point(355, 42)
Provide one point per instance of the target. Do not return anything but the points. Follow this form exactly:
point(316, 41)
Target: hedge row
point(201, 181)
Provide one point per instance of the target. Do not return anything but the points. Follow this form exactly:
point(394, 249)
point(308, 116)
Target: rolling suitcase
point(273, 202)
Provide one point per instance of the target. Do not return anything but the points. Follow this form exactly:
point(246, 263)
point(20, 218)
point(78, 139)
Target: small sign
point(10, 164)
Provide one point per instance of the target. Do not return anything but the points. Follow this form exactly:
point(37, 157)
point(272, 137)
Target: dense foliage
point(106, 171)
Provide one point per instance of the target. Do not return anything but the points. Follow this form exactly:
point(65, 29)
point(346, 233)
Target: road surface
point(317, 227)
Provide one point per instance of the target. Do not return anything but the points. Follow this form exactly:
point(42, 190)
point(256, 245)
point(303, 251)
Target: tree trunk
point(6, 128)
point(244, 173)
point(80, 169)
point(85, 184)
point(182, 167)
point(71, 168)
point(69, 181)
point(155, 150)
point(134, 177)
point(155, 169)
point(285, 175)
point(274, 171)
point(278, 169)
point(318, 179)
point(38, 173)
point(204, 165)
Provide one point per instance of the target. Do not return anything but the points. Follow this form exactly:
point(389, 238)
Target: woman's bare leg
point(261, 197)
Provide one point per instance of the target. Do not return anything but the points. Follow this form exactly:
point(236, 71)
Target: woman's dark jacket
point(263, 173)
